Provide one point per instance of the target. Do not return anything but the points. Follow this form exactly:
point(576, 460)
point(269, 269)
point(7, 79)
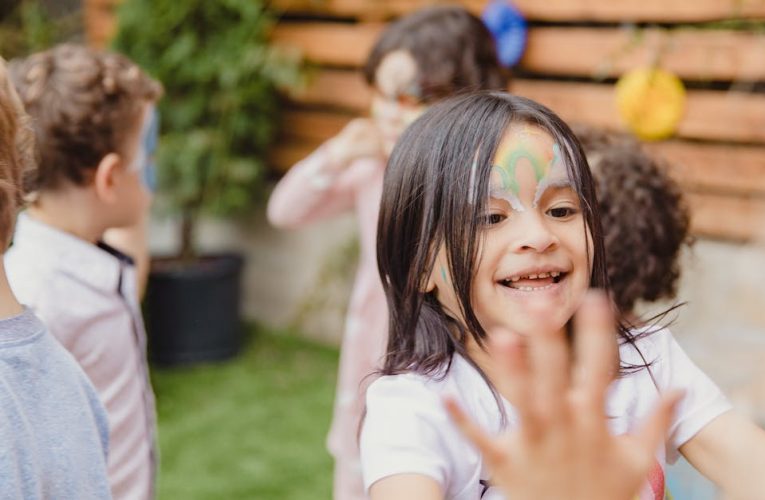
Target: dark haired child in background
point(419, 59)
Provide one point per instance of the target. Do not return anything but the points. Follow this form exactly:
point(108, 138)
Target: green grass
point(253, 427)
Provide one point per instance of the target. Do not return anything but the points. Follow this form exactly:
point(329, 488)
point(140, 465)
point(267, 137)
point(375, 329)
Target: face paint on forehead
point(547, 164)
point(556, 177)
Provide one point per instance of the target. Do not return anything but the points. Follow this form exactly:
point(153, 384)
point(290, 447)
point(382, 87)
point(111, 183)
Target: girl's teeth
point(555, 274)
point(532, 276)
point(515, 278)
point(543, 275)
point(533, 289)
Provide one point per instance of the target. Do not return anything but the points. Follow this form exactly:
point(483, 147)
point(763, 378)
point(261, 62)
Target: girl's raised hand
point(360, 138)
point(563, 448)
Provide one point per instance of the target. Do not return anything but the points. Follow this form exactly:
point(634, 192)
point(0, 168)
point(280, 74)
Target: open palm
point(563, 448)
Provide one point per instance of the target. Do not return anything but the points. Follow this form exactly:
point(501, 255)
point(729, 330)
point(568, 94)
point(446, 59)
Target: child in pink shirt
point(419, 59)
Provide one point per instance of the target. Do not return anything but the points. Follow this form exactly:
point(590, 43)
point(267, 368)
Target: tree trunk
point(188, 230)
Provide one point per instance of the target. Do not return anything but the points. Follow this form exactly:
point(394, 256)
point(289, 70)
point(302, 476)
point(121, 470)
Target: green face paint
point(443, 275)
point(528, 146)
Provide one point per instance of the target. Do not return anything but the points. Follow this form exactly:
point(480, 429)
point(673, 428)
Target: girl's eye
point(562, 212)
point(492, 219)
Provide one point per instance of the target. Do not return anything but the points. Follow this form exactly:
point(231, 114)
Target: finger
point(549, 371)
point(653, 431)
point(596, 350)
point(514, 382)
point(491, 451)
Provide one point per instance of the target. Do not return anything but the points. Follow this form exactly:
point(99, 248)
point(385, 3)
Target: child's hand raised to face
point(563, 448)
point(361, 138)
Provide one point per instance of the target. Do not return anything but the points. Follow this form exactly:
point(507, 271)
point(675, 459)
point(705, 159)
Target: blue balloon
point(508, 26)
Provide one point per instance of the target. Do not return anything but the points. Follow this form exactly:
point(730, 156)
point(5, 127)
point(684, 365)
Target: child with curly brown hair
point(645, 219)
point(90, 111)
point(418, 60)
point(53, 428)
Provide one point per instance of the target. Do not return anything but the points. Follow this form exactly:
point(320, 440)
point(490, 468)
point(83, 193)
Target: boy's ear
point(105, 178)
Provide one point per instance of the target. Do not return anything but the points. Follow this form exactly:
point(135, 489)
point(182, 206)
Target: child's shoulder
point(407, 429)
point(647, 344)
point(410, 385)
point(51, 419)
point(451, 379)
point(49, 261)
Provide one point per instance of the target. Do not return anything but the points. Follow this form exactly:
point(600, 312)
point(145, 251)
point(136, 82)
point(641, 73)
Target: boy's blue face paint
point(149, 145)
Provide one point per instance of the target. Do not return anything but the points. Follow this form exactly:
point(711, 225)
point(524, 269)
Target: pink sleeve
point(309, 192)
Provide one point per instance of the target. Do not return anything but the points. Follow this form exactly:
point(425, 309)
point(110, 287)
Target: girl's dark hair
point(436, 190)
point(453, 49)
point(645, 220)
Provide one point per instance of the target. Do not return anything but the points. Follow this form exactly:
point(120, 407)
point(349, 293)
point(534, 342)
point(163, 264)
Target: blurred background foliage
point(28, 26)
point(220, 112)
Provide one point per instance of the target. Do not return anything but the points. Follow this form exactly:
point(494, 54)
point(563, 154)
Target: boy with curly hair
point(54, 430)
point(90, 110)
point(645, 220)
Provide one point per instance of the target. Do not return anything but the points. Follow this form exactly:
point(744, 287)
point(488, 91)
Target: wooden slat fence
point(576, 49)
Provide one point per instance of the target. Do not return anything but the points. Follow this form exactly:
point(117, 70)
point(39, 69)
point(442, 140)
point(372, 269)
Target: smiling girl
point(418, 60)
point(489, 224)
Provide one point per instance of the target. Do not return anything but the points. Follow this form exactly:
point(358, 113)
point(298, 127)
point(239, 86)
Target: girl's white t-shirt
point(407, 430)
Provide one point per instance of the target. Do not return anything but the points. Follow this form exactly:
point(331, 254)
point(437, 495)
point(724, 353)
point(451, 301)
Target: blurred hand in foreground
point(563, 448)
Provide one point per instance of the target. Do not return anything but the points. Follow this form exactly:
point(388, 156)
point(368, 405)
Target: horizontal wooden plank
point(286, 153)
point(329, 43)
point(336, 88)
point(590, 52)
point(665, 11)
point(723, 169)
point(727, 217)
point(717, 168)
point(312, 125)
point(710, 115)
point(368, 9)
point(691, 54)
point(100, 21)
point(715, 215)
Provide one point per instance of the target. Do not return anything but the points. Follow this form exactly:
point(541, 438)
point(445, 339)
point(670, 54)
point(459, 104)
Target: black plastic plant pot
point(192, 310)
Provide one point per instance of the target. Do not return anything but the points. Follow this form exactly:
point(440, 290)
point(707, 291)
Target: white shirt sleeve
point(404, 431)
point(702, 401)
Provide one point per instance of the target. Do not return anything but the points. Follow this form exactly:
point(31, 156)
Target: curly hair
point(453, 49)
point(84, 104)
point(645, 219)
point(16, 154)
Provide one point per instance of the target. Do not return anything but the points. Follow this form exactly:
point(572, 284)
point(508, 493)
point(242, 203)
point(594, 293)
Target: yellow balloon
point(651, 101)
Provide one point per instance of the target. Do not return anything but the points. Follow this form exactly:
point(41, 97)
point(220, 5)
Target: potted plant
point(218, 117)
